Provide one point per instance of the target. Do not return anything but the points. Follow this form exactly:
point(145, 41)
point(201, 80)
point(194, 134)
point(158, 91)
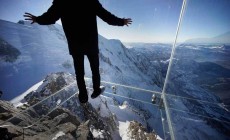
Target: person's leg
point(94, 64)
point(80, 72)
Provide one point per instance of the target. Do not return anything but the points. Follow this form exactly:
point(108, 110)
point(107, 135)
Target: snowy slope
point(44, 50)
point(197, 89)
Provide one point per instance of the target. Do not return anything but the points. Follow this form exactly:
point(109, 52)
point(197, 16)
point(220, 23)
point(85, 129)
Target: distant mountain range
point(220, 39)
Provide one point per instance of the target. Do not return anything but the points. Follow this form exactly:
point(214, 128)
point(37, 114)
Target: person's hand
point(127, 21)
point(30, 17)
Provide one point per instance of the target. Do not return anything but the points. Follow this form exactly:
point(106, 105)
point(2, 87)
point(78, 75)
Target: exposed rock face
point(8, 53)
point(59, 124)
point(60, 116)
point(138, 132)
point(52, 84)
point(97, 122)
point(7, 110)
point(83, 131)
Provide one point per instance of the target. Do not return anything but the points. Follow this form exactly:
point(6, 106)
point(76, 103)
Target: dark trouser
point(80, 72)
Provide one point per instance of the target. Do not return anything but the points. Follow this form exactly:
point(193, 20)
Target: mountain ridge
point(219, 39)
point(41, 56)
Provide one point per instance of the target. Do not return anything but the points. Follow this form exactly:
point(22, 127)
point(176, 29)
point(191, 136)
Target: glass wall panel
point(148, 94)
point(197, 88)
point(38, 77)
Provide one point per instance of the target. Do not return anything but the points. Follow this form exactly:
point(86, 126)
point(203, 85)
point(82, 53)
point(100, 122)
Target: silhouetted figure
point(79, 21)
point(1, 93)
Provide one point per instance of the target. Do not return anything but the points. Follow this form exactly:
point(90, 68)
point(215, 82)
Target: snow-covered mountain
point(38, 57)
point(44, 50)
point(197, 88)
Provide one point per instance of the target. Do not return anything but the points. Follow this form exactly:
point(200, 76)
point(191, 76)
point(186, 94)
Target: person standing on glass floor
point(79, 22)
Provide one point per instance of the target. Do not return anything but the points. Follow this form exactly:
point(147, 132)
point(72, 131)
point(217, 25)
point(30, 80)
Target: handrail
point(127, 86)
point(132, 99)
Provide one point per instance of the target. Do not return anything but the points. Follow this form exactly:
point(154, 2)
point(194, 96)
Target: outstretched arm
point(49, 17)
point(127, 21)
point(110, 18)
point(30, 17)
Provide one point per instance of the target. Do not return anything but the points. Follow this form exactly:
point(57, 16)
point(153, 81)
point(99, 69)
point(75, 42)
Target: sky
point(153, 20)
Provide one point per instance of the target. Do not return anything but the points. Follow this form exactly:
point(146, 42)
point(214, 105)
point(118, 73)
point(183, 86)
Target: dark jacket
point(79, 22)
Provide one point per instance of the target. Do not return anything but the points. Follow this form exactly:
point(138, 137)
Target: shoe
point(96, 93)
point(83, 97)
